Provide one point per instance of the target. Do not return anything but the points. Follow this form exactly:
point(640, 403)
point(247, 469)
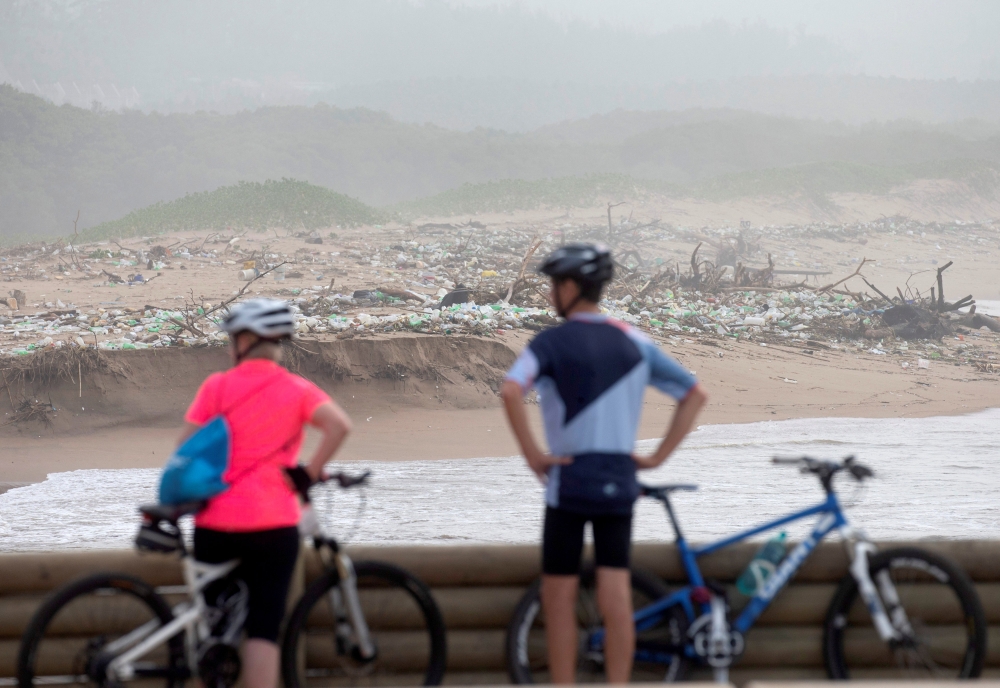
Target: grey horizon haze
point(117, 105)
point(525, 62)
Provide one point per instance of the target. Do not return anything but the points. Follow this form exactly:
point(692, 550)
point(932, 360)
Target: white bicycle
point(366, 623)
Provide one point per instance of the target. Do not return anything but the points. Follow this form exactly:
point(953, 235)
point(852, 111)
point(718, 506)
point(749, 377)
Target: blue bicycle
point(901, 613)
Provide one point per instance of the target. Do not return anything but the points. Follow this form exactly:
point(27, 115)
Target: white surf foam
point(935, 477)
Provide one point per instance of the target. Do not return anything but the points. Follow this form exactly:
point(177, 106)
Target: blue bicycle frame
point(831, 517)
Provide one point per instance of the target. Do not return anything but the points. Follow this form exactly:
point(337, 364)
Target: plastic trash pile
point(741, 315)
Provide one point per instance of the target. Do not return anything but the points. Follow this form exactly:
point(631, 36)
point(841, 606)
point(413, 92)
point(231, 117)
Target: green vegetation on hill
point(289, 204)
point(56, 161)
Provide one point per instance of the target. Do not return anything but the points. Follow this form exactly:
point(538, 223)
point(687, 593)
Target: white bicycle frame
point(342, 600)
point(189, 616)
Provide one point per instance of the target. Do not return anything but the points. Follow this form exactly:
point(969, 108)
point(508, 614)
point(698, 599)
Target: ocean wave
point(934, 477)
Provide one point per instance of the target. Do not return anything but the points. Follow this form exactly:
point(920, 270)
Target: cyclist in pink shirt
point(255, 520)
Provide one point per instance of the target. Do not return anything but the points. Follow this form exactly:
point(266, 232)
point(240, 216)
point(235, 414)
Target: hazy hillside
point(525, 104)
point(296, 205)
point(57, 160)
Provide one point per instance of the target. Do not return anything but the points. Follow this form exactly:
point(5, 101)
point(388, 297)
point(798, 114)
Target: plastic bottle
point(762, 565)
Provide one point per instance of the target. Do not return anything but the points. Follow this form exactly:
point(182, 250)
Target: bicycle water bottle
point(763, 564)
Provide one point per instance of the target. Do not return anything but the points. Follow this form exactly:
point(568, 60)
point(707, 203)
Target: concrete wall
point(477, 588)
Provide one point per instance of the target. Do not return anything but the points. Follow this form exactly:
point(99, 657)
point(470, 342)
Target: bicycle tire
point(525, 642)
point(58, 636)
point(942, 606)
point(396, 620)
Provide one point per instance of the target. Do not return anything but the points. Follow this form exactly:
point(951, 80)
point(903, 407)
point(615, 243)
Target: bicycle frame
point(831, 517)
point(188, 616)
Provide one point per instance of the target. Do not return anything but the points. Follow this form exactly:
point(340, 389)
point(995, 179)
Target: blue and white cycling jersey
point(591, 375)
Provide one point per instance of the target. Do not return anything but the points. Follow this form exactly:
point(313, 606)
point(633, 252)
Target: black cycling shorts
point(562, 541)
point(267, 560)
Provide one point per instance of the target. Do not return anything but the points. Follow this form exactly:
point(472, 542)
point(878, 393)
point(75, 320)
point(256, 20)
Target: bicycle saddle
point(170, 512)
point(662, 490)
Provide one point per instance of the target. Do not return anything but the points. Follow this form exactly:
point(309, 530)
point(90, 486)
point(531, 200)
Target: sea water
point(934, 478)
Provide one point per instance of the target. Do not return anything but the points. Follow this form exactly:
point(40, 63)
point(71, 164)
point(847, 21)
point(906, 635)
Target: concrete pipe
point(479, 607)
point(56, 656)
point(407, 651)
point(21, 573)
point(441, 566)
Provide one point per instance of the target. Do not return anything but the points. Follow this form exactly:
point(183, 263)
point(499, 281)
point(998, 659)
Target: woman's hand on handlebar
point(300, 479)
point(317, 473)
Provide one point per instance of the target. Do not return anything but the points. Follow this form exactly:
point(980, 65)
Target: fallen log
point(976, 321)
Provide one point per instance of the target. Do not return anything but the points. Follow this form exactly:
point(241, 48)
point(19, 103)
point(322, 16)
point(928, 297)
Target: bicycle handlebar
point(827, 469)
point(346, 481)
point(302, 481)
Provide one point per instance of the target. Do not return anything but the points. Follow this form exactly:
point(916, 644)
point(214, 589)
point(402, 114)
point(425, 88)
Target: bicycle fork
point(882, 602)
point(345, 607)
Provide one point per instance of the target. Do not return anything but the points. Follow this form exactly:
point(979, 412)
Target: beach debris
point(909, 321)
point(461, 294)
point(470, 279)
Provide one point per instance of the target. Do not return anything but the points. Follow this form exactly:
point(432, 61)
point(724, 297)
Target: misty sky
point(511, 64)
point(922, 39)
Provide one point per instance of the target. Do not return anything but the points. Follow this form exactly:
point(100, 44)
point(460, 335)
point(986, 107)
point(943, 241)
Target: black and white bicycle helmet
point(266, 318)
point(588, 263)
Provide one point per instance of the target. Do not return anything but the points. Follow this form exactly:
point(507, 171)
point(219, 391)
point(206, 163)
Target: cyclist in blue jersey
point(591, 373)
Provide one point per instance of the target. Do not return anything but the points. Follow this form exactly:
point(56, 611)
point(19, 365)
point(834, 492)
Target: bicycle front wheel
point(402, 616)
point(71, 637)
point(930, 601)
point(527, 656)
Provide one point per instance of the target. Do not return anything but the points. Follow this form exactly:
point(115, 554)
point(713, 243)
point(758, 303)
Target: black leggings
point(562, 541)
point(267, 559)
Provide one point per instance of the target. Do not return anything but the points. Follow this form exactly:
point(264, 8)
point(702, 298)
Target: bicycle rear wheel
point(67, 639)
point(405, 624)
point(948, 638)
point(527, 660)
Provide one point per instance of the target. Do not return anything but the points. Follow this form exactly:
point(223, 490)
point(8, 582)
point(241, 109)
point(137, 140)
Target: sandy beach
point(746, 383)
point(441, 400)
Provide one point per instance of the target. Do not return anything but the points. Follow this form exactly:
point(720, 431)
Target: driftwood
point(112, 277)
point(744, 276)
point(520, 274)
point(611, 230)
point(886, 298)
point(192, 318)
point(940, 284)
point(978, 320)
point(857, 272)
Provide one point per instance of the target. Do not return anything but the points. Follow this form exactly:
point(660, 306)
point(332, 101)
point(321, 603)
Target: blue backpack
point(194, 471)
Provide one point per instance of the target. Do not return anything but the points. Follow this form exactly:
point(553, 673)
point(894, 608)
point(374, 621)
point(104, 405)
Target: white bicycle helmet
point(266, 318)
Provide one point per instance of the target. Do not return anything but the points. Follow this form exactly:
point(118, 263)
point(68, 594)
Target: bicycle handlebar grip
point(350, 481)
point(301, 480)
point(861, 472)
